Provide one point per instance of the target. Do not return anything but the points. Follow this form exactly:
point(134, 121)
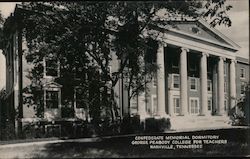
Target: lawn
point(237, 145)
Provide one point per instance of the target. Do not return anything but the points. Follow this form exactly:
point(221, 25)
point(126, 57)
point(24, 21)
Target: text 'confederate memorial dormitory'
point(200, 78)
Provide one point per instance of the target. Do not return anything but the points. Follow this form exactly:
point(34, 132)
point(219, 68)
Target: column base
point(163, 115)
point(143, 115)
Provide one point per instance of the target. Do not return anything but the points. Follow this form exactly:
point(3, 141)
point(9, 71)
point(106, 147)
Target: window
point(242, 88)
point(80, 98)
point(242, 73)
point(154, 81)
point(177, 109)
point(194, 106)
point(225, 69)
point(51, 67)
point(225, 87)
point(154, 104)
point(209, 104)
point(193, 84)
point(176, 81)
point(209, 85)
point(52, 99)
point(225, 104)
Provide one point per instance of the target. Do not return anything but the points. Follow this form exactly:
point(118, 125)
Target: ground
point(120, 146)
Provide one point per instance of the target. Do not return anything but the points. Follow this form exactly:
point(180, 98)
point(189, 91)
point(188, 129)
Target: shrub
point(131, 125)
point(157, 125)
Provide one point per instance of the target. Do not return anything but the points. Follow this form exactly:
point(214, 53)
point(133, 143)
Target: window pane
point(209, 83)
point(177, 105)
point(176, 81)
point(80, 103)
point(155, 104)
point(51, 67)
point(193, 83)
point(52, 99)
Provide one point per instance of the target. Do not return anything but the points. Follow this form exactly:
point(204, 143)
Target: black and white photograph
point(124, 79)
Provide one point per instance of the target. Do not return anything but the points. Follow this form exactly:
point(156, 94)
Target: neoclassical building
point(200, 78)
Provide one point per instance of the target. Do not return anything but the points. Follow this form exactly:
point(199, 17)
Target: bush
point(33, 130)
point(238, 119)
point(131, 125)
point(157, 125)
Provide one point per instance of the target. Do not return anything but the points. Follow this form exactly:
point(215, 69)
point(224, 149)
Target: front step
point(194, 122)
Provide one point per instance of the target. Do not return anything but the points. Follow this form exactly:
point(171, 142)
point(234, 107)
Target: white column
point(161, 111)
point(170, 103)
point(142, 97)
point(203, 79)
point(232, 84)
point(221, 97)
point(183, 81)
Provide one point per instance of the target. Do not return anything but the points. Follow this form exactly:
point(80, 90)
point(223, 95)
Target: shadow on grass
point(237, 145)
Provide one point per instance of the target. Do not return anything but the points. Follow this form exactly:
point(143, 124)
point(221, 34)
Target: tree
point(84, 36)
point(1, 28)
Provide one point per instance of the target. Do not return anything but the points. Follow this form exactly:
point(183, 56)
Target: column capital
point(222, 58)
point(162, 43)
point(184, 49)
point(233, 61)
point(205, 54)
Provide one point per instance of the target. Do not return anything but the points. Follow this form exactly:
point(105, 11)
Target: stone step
point(199, 122)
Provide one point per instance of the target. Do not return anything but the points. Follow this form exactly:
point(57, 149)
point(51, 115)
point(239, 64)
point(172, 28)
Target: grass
point(238, 145)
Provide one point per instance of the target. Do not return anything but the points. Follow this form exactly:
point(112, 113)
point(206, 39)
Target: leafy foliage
point(85, 36)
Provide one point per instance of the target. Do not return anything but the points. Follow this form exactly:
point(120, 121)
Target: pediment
point(52, 85)
point(201, 30)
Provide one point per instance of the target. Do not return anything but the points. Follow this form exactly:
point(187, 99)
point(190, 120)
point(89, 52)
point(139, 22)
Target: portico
point(191, 79)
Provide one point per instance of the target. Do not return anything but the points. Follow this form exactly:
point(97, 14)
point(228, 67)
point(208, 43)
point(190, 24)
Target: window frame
point(45, 68)
point(175, 98)
point(196, 84)
point(179, 83)
point(75, 100)
point(154, 82)
point(209, 84)
point(190, 106)
point(242, 92)
point(211, 102)
point(55, 89)
point(225, 87)
point(244, 73)
point(225, 104)
point(154, 108)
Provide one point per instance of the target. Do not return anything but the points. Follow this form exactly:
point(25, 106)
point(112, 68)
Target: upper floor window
point(52, 100)
point(225, 69)
point(154, 81)
point(209, 85)
point(193, 84)
point(80, 98)
point(242, 73)
point(242, 88)
point(176, 81)
point(225, 87)
point(51, 67)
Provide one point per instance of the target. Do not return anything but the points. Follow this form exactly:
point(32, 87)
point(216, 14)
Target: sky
point(238, 32)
